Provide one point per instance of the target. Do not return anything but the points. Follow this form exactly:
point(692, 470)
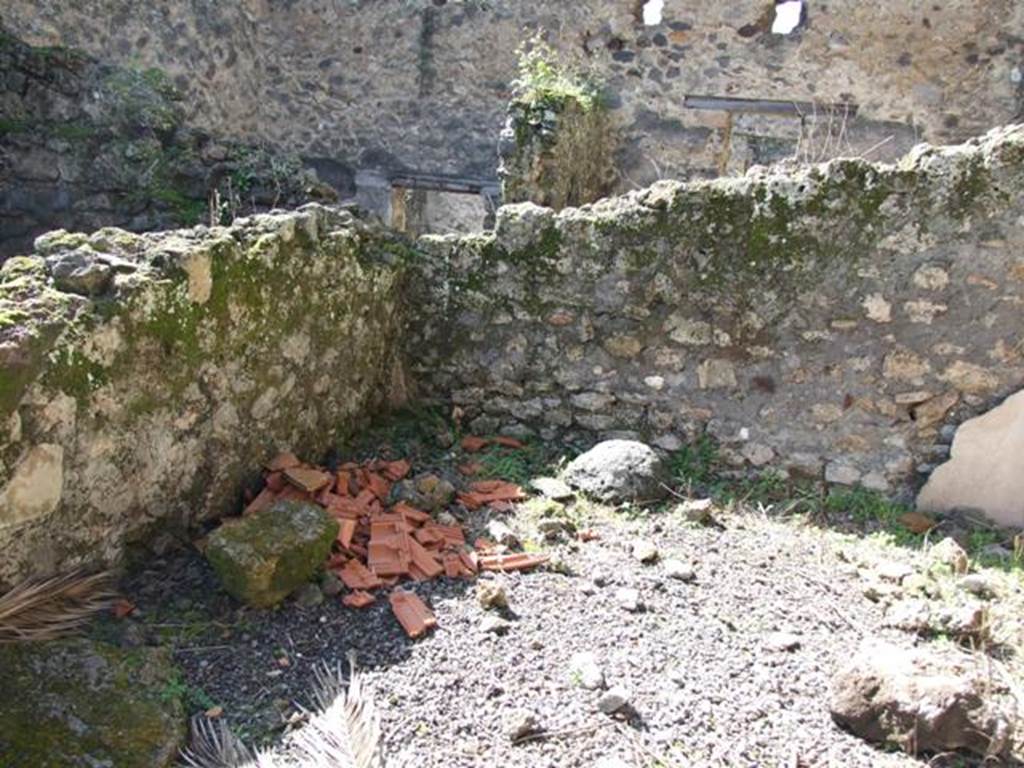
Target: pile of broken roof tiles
point(380, 543)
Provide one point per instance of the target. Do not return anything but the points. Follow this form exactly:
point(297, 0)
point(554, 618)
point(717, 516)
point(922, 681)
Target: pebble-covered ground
point(728, 668)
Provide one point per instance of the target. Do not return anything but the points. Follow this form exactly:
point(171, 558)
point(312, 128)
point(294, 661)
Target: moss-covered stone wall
point(145, 378)
point(834, 321)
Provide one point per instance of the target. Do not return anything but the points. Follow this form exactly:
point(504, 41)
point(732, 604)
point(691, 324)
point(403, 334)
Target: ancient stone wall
point(144, 379)
point(834, 321)
point(422, 84)
point(85, 145)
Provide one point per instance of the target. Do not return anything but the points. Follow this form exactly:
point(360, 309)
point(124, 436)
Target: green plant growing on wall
point(565, 143)
point(545, 81)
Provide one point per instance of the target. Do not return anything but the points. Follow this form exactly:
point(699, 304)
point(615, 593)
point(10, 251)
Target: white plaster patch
point(35, 489)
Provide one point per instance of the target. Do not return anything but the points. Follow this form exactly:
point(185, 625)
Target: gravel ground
point(706, 686)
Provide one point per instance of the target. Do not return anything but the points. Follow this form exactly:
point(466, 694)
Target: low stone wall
point(144, 379)
point(834, 321)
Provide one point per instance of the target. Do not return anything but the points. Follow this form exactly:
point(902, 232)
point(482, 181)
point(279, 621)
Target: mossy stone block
point(81, 702)
point(264, 557)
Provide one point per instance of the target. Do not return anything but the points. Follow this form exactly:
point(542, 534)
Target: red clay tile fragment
point(473, 444)
point(276, 481)
point(412, 515)
point(378, 486)
point(412, 613)
point(508, 442)
point(284, 460)
point(355, 575)
point(346, 531)
point(520, 561)
point(308, 479)
point(343, 483)
point(423, 560)
point(396, 470)
point(358, 599)
point(470, 469)
point(265, 498)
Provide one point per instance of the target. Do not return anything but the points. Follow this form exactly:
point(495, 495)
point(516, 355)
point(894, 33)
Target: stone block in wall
point(147, 400)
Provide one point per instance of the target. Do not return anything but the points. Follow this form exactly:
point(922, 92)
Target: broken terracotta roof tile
point(358, 599)
point(343, 483)
point(264, 499)
point(412, 515)
point(308, 479)
point(346, 531)
point(473, 444)
point(423, 560)
point(283, 460)
point(396, 470)
point(355, 575)
point(378, 486)
point(412, 613)
point(470, 469)
point(508, 442)
point(291, 493)
point(470, 561)
point(519, 561)
point(275, 481)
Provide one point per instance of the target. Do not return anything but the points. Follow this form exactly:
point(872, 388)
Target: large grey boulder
point(618, 470)
point(264, 557)
point(84, 703)
point(922, 700)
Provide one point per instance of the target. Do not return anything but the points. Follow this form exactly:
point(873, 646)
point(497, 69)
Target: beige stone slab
point(986, 467)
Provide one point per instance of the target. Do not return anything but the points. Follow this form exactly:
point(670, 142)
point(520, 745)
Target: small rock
point(502, 534)
point(600, 579)
point(331, 585)
point(947, 552)
point(521, 724)
point(618, 470)
point(494, 625)
point(628, 599)
point(613, 700)
point(584, 667)
point(977, 584)
point(552, 488)
point(894, 572)
point(427, 492)
point(554, 528)
point(446, 518)
point(969, 621)
point(941, 697)
point(491, 594)
point(881, 591)
point(309, 595)
point(782, 641)
point(910, 616)
point(677, 569)
point(80, 272)
point(695, 510)
point(645, 551)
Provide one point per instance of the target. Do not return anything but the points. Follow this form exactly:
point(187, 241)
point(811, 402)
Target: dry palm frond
point(213, 745)
point(52, 608)
point(344, 733)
